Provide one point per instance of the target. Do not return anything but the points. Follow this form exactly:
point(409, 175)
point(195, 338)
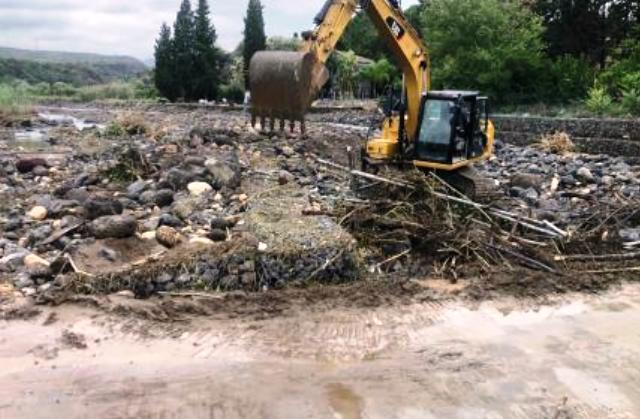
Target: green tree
point(362, 38)
point(165, 65)
point(254, 37)
point(587, 28)
point(347, 72)
point(495, 46)
point(280, 43)
point(207, 58)
point(379, 74)
point(184, 51)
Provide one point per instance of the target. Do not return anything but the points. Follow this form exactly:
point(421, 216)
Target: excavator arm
point(284, 84)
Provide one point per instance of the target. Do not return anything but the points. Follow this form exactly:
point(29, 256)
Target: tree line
point(517, 51)
point(583, 52)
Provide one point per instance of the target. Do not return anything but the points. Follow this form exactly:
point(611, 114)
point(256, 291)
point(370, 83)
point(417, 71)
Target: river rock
point(13, 261)
point(583, 174)
point(199, 188)
point(38, 213)
point(218, 235)
point(163, 198)
point(40, 171)
point(39, 234)
point(113, 226)
point(99, 207)
point(285, 177)
point(177, 178)
point(27, 165)
point(223, 174)
point(526, 181)
point(219, 223)
point(36, 266)
point(170, 220)
point(136, 188)
point(168, 236)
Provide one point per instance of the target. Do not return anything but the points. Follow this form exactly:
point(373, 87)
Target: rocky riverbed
point(154, 200)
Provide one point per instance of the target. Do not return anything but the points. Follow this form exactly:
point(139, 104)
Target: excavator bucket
point(283, 85)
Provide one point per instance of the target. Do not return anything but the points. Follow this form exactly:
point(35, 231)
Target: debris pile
point(420, 227)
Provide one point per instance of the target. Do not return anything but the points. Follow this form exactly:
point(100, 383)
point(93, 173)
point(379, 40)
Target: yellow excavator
point(444, 131)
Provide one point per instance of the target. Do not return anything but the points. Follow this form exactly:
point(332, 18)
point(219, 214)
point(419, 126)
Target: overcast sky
point(130, 26)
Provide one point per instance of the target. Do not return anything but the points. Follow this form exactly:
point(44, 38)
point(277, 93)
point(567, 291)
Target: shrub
point(571, 79)
point(115, 90)
point(631, 101)
point(599, 101)
point(133, 123)
point(63, 89)
point(234, 93)
point(114, 129)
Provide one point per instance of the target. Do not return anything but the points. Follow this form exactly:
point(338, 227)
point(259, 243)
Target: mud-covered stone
point(28, 164)
point(98, 207)
point(114, 226)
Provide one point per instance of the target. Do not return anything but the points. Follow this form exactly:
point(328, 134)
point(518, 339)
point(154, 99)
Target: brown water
point(499, 360)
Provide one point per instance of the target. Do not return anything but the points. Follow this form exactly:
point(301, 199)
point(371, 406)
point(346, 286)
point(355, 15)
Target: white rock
point(262, 247)
point(201, 240)
point(28, 291)
point(34, 261)
point(608, 180)
point(148, 235)
point(199, 188)
point(38, 213)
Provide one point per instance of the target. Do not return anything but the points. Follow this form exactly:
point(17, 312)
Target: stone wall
point(617, 137)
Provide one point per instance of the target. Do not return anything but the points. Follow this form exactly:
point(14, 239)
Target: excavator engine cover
point(283, 84)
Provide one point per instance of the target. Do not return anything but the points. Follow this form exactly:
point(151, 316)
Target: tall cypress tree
point(184, 50)
point(165, 65)
point(207, 57)
point(254, 36)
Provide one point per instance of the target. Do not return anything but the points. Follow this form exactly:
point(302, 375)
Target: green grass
point(18, 96)
point(14, 101)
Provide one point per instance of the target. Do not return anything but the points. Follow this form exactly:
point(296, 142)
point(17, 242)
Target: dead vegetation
point(557, 143)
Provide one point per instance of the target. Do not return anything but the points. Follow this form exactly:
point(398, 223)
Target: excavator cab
point(453, 130)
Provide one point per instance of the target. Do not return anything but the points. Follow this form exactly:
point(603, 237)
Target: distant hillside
point(67, 67)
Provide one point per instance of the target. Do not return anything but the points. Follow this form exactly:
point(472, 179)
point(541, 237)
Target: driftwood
point(57, 235)
point(615, 257)
point(535, 264)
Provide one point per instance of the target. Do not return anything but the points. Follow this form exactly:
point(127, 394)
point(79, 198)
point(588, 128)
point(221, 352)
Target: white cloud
point(130, 27)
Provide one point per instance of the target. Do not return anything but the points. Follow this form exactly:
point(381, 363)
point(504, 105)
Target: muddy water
point(499, 360)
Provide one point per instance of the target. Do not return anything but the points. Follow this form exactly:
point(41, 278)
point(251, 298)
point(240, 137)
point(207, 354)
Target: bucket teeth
point(269, 123)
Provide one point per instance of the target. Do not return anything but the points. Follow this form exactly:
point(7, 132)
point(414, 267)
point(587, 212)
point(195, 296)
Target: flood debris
point(198, 201)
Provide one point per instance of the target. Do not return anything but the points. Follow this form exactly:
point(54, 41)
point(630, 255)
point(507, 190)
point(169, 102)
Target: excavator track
point(473, 185)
